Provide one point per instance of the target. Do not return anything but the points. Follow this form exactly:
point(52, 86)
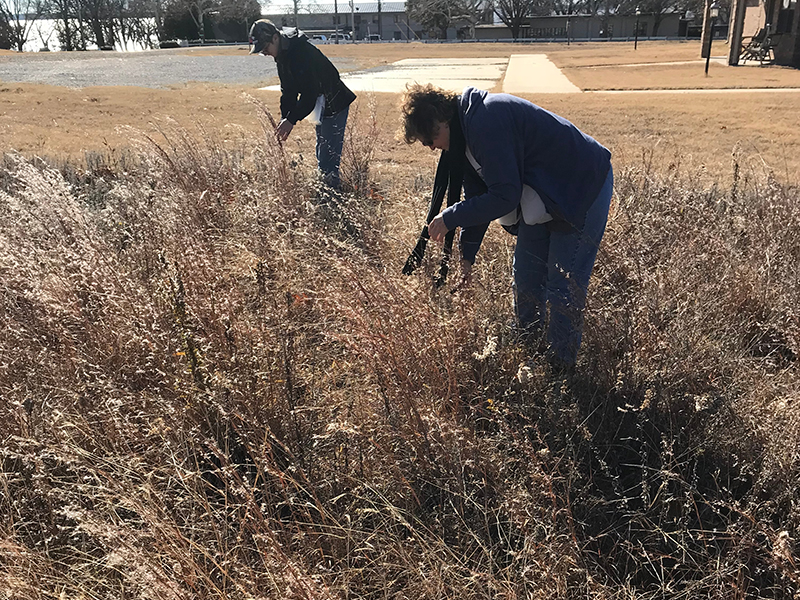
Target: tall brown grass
point(214, 385)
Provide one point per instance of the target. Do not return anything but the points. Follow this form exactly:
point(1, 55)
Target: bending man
point(543, 179)
point(310, 85)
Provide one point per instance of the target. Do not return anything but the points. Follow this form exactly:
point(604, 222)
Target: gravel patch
point(156, 69)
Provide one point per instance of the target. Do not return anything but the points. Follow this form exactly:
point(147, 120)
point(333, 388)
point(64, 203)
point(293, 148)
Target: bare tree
point(68, 30)
point(5, 35)
point(99, 15)
point(21, 16)
point(657, 8)
point(567, 7)
point(198, 9)
point(514, 13)
point(472, 12)
point(433, 15)
point(437, 16)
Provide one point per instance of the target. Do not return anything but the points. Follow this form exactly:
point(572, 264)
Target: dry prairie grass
point(216, 384)
point(702, 131)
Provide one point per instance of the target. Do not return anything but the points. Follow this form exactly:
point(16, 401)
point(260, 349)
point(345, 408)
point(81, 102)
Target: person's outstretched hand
point(284, 129)
point(437, 229)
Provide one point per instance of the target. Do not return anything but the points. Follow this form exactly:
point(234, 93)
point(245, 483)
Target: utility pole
point(352, 23)
point(380, 21)
point(336, 20)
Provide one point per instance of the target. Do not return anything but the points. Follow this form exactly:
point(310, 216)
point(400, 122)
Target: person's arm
point(496, 144)
point(288, 97)
point(472, 237)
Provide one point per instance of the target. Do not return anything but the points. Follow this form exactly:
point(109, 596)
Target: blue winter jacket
point(517, 142)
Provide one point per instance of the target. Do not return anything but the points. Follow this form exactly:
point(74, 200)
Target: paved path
point(535, 74)
point(447, 73)
point(524, 74)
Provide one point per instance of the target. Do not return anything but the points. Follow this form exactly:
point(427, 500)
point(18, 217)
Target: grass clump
point(216, 384)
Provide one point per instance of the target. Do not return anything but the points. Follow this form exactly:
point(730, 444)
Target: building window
point(374, 18)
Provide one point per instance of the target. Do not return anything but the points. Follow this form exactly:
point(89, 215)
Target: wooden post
point(705, 38)
point(795, 56)
point(738, 9)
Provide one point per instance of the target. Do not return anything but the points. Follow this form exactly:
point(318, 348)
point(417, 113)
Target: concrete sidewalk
point(448, 73)
point(524, 74)
point(535, 74)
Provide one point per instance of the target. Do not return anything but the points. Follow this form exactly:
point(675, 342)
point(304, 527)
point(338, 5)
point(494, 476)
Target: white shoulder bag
point(530, 207)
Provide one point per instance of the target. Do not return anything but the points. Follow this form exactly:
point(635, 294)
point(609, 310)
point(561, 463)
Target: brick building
point(779, 19)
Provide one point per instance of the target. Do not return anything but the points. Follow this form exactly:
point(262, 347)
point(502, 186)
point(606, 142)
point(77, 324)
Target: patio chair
point(759, 47)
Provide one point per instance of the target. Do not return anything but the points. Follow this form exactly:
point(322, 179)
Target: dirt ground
point(698, 130)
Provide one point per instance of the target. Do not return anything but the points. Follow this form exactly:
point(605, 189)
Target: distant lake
point(44, 34)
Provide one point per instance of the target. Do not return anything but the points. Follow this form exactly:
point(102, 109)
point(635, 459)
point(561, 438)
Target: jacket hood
point(290, 36)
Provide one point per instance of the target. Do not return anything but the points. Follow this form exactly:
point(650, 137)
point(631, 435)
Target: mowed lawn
point(698, 130)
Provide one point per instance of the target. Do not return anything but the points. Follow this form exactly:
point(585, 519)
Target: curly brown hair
point(423, 108)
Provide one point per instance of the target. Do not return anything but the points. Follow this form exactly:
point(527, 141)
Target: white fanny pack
point(530, 208)
point(315, 118)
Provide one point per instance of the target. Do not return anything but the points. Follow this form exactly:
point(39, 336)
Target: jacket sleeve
point(288, 100)
point(500, 151)
point(472, 237)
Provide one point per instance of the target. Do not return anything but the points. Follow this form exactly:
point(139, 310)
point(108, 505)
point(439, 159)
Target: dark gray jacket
point(305, 73)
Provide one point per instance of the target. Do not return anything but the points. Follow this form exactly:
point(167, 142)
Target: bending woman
point(547, 182)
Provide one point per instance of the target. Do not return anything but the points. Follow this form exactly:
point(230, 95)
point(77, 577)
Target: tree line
point(80, 24)
point(437, 16)
point(109, 24)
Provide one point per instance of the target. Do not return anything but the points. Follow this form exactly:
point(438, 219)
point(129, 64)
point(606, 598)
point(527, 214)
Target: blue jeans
point(552, 267)
point(330, 139)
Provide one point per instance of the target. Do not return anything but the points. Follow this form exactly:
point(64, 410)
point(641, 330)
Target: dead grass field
point(582, 54)
point(698, 130)
point(701, 129)
point(682, 76)
point(589, 65)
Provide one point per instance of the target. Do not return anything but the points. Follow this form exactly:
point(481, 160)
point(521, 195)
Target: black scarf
point(450, 178)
